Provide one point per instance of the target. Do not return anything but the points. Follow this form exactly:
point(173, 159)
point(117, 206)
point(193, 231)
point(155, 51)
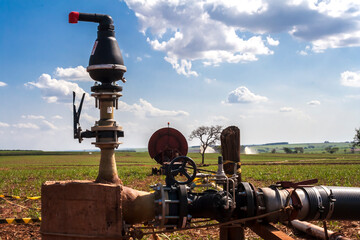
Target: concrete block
point(80, 210)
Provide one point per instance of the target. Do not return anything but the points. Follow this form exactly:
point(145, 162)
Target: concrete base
point(80, 210)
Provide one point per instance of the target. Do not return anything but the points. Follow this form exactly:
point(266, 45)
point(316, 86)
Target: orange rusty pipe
point(137, 206)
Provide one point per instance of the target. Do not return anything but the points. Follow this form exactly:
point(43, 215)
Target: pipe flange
point(106, 66)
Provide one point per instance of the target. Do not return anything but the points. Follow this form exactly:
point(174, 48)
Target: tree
point(207, 136)
point(331, 149)
point(287, 150)
point(299, 150)
point(357, 138)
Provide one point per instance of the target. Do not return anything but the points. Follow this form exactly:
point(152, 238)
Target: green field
point(343, 147)
point(23, 175)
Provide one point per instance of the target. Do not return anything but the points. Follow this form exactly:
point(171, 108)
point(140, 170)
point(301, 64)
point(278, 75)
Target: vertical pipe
point(107, 167)
point(230, 149)
point(106, 113)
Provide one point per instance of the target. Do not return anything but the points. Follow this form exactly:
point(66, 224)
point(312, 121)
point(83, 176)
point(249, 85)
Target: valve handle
point(76, 116)
point(179, 166)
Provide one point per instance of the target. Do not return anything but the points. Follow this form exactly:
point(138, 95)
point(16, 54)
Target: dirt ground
point(32, 232)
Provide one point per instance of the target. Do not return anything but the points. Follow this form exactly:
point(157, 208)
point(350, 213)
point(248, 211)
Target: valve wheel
point(180, 165)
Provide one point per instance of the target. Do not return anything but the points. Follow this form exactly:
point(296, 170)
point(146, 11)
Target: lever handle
point(76, 115)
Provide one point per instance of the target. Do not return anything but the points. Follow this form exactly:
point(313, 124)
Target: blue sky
point(279, 70)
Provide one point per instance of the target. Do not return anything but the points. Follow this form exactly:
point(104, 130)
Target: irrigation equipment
point(106, 67)
point(84, 209)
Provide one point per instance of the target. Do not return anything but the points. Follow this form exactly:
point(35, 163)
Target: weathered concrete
point(80, 210)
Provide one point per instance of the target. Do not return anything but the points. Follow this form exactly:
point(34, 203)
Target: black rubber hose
point(345, 200)
point(317, 203)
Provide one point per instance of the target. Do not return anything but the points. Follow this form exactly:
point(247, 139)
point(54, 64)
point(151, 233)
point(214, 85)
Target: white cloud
point(313, 103)
point(2, 124)
point(146, 109)
point(356, 97)
point(244, 95)
point(193, 35)
point(350, 79)
point(238, 31)
point(26, 125)
point(303, 53)
point(78, 73)
point(184, 67)
point(344, 39)
point(139, 59)
point(57, 117)
point(286, 109)
point(2, 84)
point(48, 125)
point(32, 117)
point(88, 118)
point(210, 80)
point(55, 91)
point(272, 41)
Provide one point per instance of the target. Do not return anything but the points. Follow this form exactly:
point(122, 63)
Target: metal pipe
point(317, 203)
point(316, 231)
point(137, 206)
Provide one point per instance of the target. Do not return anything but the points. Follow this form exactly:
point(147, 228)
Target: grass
point(23, 174)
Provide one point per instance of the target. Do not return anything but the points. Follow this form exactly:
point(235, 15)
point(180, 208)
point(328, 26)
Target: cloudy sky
point(279, 70)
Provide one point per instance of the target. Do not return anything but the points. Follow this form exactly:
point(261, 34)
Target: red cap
point(73, 17)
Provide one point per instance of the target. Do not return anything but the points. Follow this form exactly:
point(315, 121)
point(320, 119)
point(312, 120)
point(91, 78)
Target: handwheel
point(180, 165)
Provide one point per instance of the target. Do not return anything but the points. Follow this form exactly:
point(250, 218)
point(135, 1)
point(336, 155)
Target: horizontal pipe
point(137, 206)
point(317, 203)
point(316, 231)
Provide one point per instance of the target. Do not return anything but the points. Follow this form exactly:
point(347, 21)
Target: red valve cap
point(73, 17)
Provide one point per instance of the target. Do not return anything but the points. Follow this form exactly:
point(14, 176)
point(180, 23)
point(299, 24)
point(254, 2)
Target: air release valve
point(106, 63)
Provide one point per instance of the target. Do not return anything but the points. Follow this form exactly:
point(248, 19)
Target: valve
point(180, 165)
point(106, 63)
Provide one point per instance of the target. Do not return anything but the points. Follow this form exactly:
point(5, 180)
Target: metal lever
point(77, 128)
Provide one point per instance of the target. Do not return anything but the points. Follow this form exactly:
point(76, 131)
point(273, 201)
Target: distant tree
point(273, 151)
point(217, 148)
point(287, 150)
point(331, 149)
point(299, 150)
point(207, 136)
point(356, 138)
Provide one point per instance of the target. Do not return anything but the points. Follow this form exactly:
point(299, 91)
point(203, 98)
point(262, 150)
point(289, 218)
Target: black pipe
point(317, 203)
point(337, 203)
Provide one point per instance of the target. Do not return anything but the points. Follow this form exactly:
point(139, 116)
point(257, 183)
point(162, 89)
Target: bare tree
point(207, 136)
point(357, 138)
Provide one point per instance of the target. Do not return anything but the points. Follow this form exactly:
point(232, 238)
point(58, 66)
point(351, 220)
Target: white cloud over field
point(350, 79)
point(244, 95)
point(2, 84)
point(56, 91)
point(78, 73)
point(313, 103)
point(2, 124)
point(220, 31)
point(286, 109)
point(146, 109)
